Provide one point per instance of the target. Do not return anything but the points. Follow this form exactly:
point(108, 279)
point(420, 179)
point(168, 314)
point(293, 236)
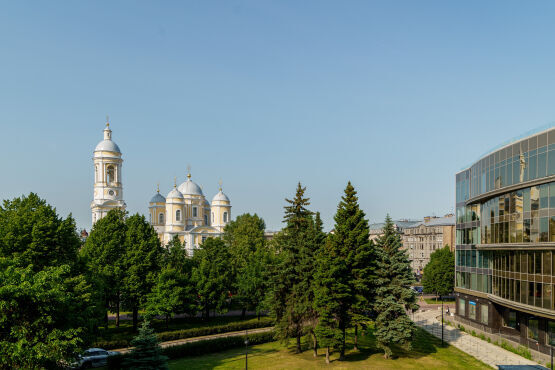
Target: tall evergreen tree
point(142, 262)
point(394, 297)
point(212, 276)
point(292, 293)
point(104, 252)
point(146, 353)
point(345, 267)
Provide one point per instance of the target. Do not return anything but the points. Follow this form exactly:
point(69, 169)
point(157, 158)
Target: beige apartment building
point(424, 238)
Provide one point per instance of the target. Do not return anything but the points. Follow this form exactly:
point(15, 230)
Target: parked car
point(418, 289)
point(93, 357)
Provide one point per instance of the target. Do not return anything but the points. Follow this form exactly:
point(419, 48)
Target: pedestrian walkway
point(206, 337)
point(488, 353)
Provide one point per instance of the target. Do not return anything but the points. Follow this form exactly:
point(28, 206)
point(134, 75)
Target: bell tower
point(108, 188)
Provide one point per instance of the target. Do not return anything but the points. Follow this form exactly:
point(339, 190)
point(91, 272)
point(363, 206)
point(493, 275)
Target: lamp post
point(551, 347)
point(442, 320)
point(246, 348)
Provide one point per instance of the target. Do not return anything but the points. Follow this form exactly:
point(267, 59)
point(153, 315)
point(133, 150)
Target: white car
point(93, 357)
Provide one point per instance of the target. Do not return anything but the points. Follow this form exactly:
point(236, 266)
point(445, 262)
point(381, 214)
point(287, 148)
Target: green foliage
point(104, 253)
point(249, 259)
point(195, 332)
point(291, 298)
point(47, 304)
point(393, 293)
point(146, 353)
point(520, 350)
point(345, 273)
point(169, 295)
point(212, 275)
point(31, 233)
point(202, 347)
point(439, 273)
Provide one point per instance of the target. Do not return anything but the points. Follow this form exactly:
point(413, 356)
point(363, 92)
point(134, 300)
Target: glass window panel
point(511, 319)
point(517, 261)
point(544, 196)
point(531, 290)
point(533, 329)
point(532, 166)
point(552, 229)
point(526, 199)
point(534, 198)
point(547, 296)
point(538, 263)
point(547, 263)
point(523, 291)
point(462, 306)
point(542, 159)
point(535, 230)
point(538, 294)
point(551, 163)
point(472, 310)
point(544, 229)
point(484, 315)
point(526, 230)
point(551, 333)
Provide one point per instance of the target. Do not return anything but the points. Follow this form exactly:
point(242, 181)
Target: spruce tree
point(292, 298)
point(345, 269)
point(146, 352)
point(394, 297)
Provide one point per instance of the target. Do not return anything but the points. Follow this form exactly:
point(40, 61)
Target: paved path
point(488, 353)
point(206, 337)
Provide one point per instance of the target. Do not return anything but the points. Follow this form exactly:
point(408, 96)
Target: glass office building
point(505, 241)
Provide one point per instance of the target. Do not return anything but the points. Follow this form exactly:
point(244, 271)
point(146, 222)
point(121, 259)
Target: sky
point(394, 96)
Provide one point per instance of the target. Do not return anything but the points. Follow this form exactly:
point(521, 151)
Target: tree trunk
point(298, 350)
point(117, 313)
point(207, 312)
point(258, 316)
point(243, 312)
point(342, 352)
point(135, 318)
point(356, 338)
point(315, 343)
point(328, 355)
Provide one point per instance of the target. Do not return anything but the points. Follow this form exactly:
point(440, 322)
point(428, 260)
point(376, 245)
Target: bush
point(194, 332)
point(201, 347)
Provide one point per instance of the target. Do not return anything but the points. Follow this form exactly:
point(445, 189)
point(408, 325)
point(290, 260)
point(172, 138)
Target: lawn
point(426, 354)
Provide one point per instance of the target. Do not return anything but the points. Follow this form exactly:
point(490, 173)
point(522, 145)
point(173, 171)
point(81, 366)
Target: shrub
point(473, 333)
point(194, 332)
point(201, 347)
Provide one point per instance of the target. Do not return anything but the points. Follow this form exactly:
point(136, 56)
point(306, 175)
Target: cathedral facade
point(184, 212)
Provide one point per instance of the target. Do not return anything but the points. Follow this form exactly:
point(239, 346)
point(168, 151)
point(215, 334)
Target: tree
point(439, 273)
point(293, 273)
point(48, 307)
point(142, 261)
point(105, 252)
point(146, 353)
point(32, 233)
point(346, 268)
point(245, 239)
point(394, 297)
point(212, 275)
point(168, 296)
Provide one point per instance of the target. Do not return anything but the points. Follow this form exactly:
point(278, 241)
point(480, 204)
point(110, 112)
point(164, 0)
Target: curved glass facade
point(505, 238)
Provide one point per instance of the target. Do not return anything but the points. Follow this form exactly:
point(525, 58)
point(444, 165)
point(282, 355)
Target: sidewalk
point(488, 353)
point(206, 337)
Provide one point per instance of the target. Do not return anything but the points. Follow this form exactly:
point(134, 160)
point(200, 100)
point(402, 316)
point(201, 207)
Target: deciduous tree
point(439, 273)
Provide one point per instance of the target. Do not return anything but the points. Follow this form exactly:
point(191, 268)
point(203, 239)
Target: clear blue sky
point(394, 96)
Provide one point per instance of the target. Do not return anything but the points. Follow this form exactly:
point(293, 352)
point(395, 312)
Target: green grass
point(433, 301)
point(426, 354)
point(125, 330)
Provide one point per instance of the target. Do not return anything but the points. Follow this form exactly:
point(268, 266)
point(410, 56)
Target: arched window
point(178, 215)
point(161, 218)
point(110, 174)
point(225, 216)
point(194, 211)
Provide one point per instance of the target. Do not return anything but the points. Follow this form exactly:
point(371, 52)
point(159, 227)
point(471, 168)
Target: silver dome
point(107, 146)
point(174, 193)
point(220, 197)
point(189, 188)
point(158, 198)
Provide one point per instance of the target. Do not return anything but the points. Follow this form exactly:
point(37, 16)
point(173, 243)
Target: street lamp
point(551, 346)
point(246, 348)
point(442, 320)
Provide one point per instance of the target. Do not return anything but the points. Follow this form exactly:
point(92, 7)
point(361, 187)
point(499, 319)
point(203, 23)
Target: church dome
point(107, 146)
point(190, 188)
point(158, 198)
point(220, 197)
point(174, 193)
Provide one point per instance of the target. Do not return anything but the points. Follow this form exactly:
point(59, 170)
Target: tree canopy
point(439, 273)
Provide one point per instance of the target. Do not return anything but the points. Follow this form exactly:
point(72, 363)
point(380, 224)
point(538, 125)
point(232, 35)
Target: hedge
point(193, 332)
point(201, 347)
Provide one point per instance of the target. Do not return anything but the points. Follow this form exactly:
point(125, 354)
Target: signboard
point(472, 303)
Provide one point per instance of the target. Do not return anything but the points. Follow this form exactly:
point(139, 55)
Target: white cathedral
point(184, 213)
